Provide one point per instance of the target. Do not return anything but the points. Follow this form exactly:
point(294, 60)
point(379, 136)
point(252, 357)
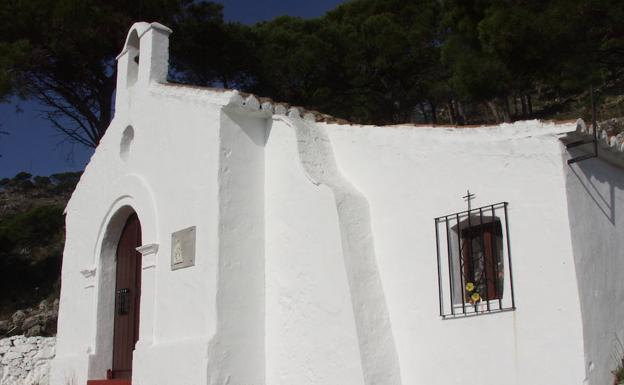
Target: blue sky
point(249, 12)
point(35, 147)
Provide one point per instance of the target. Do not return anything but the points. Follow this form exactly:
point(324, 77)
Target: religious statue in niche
point(177, 252)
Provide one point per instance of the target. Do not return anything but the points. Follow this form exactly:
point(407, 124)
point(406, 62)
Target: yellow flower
point(475, 297)
point(470, 286)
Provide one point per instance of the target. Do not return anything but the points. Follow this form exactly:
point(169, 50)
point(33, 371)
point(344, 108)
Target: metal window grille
point(474, 262)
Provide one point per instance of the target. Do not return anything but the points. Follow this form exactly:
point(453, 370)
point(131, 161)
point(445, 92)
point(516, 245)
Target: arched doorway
point(127, 298)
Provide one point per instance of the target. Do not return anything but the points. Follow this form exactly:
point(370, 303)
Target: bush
point(31, 246)
point(56, 184)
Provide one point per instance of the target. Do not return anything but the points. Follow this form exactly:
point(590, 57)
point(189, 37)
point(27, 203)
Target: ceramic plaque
point(183, 248)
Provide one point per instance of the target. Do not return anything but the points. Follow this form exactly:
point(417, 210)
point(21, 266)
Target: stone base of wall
point(26, 360)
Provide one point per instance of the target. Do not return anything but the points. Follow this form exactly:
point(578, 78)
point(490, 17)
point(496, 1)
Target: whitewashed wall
point(310, 331)
point(596, 202)
point(168, 173)
point(168, 195)
point(408, 176)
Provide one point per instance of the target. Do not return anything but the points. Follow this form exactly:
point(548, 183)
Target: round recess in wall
point(126, 142)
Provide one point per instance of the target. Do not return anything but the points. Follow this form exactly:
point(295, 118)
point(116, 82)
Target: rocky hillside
point(31, 246)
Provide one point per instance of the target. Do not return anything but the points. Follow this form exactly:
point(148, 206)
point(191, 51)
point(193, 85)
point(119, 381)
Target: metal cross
point(469, 197)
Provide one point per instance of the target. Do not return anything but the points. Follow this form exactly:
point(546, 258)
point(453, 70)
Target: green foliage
point(206, 50)
point(42, 181)
point(12, 54)
point(32, 237)
point(391, 61)
point(30, 256)
point(57, 184)
point(552, 50)
point(22, 176)
point(292, 64)
point(36, 228)
point(64, 183)
point(369, 61)
point(619, 373)
point(391, 56)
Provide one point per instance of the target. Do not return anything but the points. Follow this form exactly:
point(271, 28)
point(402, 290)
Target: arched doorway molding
point(131, 194)
point(132, 190)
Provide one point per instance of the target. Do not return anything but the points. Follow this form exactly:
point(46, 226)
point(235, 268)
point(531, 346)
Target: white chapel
point(220, 238)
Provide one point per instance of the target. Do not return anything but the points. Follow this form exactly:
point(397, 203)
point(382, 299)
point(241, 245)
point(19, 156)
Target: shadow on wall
point(595, 194)
point(588, 173)
point(378, 353)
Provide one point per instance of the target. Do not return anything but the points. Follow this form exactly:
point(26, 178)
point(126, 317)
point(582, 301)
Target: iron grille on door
point(474, 262)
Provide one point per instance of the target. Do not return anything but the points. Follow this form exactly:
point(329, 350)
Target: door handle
point(123, 301)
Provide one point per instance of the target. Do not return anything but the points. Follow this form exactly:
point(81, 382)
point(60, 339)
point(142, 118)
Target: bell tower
point(144, 59)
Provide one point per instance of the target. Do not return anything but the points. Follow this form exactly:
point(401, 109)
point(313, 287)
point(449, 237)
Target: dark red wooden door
point(127, 296)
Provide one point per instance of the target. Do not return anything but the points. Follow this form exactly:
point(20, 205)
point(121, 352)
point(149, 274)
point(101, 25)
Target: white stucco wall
point(315, 253)
point(168, 195)
point(596, 204)
point(409, 176)
point(310, 331)
point(236, 352)
point(158, 179)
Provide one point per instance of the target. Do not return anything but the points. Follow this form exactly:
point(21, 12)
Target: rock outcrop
point(39, 321)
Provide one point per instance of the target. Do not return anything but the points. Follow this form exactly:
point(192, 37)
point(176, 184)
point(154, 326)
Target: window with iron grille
point(474, 262)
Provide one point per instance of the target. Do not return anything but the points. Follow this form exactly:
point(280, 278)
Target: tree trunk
point(424, 112)
point(506, 114)
point(529, 105)
point(105, 101)
point(462, 116)
point(492, 106)
point(434, 114)
point(413, 118)
point(524, 106)
point(451, 112)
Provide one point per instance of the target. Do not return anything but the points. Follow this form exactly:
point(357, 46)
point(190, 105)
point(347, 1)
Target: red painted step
point(109, 382)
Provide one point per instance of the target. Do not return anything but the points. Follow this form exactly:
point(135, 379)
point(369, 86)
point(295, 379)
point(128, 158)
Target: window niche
point(127, 137)
point(133, 50)
point(478, 259)
point(474, 262)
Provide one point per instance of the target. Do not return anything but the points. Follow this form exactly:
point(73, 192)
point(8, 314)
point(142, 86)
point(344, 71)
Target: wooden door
point(127, 296)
